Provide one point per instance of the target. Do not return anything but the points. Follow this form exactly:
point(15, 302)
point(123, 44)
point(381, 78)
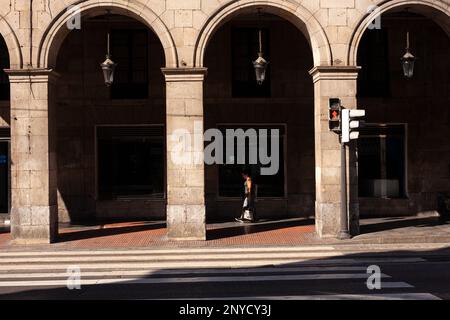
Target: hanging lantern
point(408, 61)
point(260, 64)
point(108, 66)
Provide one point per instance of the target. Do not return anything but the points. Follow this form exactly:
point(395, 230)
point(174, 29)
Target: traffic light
point(334, 115)
point(350, 125)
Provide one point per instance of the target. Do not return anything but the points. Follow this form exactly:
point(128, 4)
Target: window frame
point(405, 159)
point(285, 145)
point(96, 158)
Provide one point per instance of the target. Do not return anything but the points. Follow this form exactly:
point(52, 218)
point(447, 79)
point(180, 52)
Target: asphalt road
point(331, 277)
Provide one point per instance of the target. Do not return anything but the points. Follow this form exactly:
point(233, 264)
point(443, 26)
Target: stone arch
point(12, 43)
point(438, 11)
point(57, 31)
point(294, 13)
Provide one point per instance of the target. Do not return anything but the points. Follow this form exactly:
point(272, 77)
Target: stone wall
point(180, 23)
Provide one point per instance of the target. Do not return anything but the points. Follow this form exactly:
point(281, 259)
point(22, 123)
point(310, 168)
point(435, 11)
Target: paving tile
point(291, 232)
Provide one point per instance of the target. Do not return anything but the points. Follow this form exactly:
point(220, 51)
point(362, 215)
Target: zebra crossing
point(220, 274)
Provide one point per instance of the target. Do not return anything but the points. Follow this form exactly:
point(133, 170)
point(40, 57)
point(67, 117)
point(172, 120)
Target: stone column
point(186, 216)
point(333, 82)
point(34, 214)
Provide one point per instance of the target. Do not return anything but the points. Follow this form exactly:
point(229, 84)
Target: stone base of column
point(34, 225)
point(186, 222)
point(328, 220)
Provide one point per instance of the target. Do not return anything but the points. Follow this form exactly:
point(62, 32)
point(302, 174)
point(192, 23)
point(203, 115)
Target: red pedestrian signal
point(334, 116)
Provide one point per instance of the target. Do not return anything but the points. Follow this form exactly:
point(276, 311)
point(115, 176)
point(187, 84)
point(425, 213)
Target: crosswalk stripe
point(124, 275)
point(138, 272)
point(281, 255)
point(180, 265)
point(128, 281)
point(203, 263)
point(395, 285)
point(168, 251)
point(381, 296)
point(361, 248)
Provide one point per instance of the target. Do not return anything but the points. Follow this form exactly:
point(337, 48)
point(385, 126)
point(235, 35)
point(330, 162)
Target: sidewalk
point(290, 232)
point(421, 229)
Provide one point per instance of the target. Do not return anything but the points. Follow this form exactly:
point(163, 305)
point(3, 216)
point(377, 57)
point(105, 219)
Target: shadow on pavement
point(109, 231)
point(237, 229)
point(426, 278)
point(390, 224)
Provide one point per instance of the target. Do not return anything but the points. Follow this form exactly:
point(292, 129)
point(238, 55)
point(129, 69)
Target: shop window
point(268, 186)
point(131, 162)
point(382, 161)
point(4, 64)
point(245, 48)
point(373, 78)
point(130, 51)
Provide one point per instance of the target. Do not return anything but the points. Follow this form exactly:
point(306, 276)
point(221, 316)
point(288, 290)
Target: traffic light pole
point(342, 121)
point(344, 232)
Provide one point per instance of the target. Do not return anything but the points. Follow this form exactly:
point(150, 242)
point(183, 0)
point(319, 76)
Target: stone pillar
point(333, 82)
point(34, 214)
point(186, 215)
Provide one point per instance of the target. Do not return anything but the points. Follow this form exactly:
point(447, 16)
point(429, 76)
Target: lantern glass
point(408, 62)
point(408, 68)
point(260, 66)
point(108, 67)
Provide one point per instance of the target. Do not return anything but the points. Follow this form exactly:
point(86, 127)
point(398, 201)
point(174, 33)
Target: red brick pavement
point(4, 239)
point(153, 234)
point(292, 232)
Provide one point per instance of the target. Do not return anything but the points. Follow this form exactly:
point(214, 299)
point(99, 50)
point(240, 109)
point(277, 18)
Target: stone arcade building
point(72, 149)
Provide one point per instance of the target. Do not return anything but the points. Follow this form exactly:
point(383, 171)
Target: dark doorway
point(4, 176)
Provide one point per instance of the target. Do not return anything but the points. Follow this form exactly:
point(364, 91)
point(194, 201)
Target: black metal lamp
point(408, 60)
point(108, 66)
point(260, 64)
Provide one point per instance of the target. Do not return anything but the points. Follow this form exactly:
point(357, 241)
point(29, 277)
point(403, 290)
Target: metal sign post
point(344, 232)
